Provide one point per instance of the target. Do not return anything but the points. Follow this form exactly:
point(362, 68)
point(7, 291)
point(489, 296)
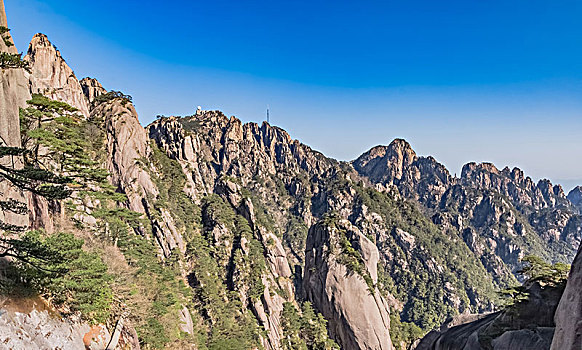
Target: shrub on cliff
point(61, 271)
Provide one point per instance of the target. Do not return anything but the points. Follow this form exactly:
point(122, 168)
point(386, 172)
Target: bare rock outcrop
point(527, 325)
point(13, 95)
point(92, 88)
point(39, 330)
point(128, 152)
point(52, 77)
point(568, 316)
point(421, 178)
point(210, 145)
point(575, 197)
point(515, 185)
point(494, 210)
point(6, 45)
point(340, 282)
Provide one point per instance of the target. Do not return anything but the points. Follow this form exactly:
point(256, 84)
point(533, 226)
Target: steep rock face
point(92, 88)
point(13, 95)
point(550, 214)
point(357, 313)
point(568, 316)
point(4, 23)
point(491, 227)
point(220, 155)
point(386, 163)
point(52, 77)
point(278, 286)
point(527, 325)
point(575, 197)
point(127, 154)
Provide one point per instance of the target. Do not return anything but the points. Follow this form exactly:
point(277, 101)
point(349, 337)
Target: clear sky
point(497, 81)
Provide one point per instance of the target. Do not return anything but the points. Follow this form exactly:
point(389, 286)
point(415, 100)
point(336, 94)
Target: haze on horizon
point(488, 81)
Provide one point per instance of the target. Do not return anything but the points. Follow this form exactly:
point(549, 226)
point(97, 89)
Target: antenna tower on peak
point(268, 114)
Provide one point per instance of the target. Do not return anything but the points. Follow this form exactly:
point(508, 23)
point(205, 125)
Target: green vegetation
point(58, 266)
point(403, 332)
point(112, 95)
point(352, 259)
point(535, 270)
point(190, 124)
point(13, 61)
point(231, 326)
point(64, 273)
point(421, 278)
point(5, 38)
point(431, 271)
point(153, 291)
point(170, 182)
point(305, 330)
point(53, 136)
point(296, 235)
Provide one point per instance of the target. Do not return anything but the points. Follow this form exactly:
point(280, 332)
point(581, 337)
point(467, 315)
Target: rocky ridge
point(497, 211)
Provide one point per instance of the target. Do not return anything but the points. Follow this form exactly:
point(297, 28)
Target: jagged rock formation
point(502, 215)
point(421, 178)
point(127, 153)
point(92, 88)
point(52, 77)
point(214, 145)
point(513, 184)
point(575, 197)
point(359, 320)
point(528, 325)
point(568, 316)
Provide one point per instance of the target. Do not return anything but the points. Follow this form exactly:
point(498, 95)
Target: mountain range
point(253, 240)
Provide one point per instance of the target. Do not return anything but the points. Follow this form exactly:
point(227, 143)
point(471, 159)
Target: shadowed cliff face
point(568, 316)
point(575, 197)
point(528, 325)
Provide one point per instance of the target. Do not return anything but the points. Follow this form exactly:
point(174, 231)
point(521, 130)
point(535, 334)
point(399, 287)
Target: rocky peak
point(575, 197)
point(52, 77)
point(4, 47)
point(211, 144)
point(385, 164)
point(3, 19)
point(92, 88)
point(512, 183)
point(421, 178)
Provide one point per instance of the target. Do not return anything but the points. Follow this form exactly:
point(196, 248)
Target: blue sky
point(462, 81)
